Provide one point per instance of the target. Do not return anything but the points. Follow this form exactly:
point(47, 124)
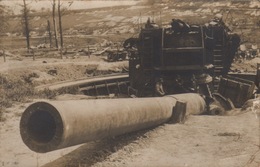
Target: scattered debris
point(53, 72)
point(116, 55)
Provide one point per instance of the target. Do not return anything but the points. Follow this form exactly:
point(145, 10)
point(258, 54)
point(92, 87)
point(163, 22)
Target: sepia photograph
point(129, 83)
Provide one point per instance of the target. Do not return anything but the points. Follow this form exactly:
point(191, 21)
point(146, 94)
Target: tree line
point(56, 9)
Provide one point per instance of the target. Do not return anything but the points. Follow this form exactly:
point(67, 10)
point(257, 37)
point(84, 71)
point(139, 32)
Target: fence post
point(61, 56)
point(88, 52)
point(4, 55)
point(33, 54)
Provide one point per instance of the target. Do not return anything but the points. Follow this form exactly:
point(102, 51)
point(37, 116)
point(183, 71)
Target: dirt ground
point(202, 141)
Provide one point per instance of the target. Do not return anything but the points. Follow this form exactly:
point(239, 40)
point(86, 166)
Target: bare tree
point(3, 24)
point(49, 31)
point(54, 22)
point(25, 20)
point(60, 24)
point(61, 11)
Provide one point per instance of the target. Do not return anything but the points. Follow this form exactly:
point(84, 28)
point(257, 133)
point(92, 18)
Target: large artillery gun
point(186, 58)
point(173, 72)
point(181, 55)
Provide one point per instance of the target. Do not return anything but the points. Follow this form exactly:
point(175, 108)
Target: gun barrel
point(52, 125)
